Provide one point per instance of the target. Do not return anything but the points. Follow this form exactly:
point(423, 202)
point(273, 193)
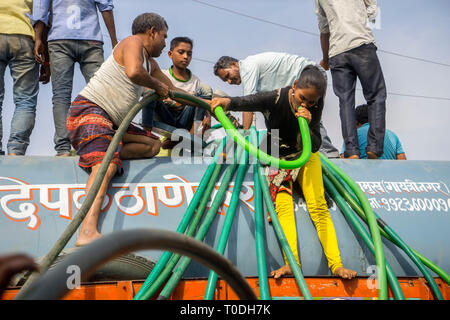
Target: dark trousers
point(362, 63)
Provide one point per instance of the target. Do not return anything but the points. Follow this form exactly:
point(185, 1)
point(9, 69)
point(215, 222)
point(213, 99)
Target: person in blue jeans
point(16, 52)
point(74, 35)
point(348, 48)
point(393, 149)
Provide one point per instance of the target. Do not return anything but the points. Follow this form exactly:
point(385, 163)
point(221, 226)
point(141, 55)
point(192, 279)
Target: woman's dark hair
point(224, 62)
point(176, 41)
point(145, 21)
point(312, 76)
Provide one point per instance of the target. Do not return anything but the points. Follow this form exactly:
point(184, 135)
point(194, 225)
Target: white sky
point(416, 28)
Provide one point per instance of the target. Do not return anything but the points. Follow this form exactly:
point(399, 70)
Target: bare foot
point(353, 157)
point(12, 154)
point(283, 271)
point(86, 237)
point(371, 155)
point(344, 273)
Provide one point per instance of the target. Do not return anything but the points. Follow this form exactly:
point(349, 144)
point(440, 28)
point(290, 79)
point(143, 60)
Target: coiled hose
point(224, 234)
point(211, 173)
point(374, 231)
point(53, 284)
point(385, 229)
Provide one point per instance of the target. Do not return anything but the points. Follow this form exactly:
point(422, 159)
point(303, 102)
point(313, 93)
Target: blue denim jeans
point(177, 118)
point(361, 62)
point(63, 56)
point(16, 52)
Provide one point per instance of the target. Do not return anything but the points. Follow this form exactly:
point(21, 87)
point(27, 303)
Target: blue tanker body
point(40, 195)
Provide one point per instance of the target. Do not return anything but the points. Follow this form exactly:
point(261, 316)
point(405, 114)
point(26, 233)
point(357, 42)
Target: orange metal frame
point(194, 289)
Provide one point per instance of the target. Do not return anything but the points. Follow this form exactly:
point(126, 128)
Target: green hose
point(254, 151)
point(434, 267)
point(162, 261)
point(355, 204)
point(168, 267)
point(202, 231)
point(375, 232)
point(438, 270)
point(259, 227)
point(223, 239)
point(388, 230)
point(351, 217)
point(281, 237)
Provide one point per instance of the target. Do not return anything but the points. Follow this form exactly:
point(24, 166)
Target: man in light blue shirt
point(392, 150)
point(266, 72)
point(74, 35)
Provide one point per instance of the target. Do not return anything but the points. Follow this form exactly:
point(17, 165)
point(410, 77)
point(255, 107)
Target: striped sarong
point(91, 131)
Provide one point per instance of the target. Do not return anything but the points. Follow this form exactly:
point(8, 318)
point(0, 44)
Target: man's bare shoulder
point(130, 41)
point(131, 44)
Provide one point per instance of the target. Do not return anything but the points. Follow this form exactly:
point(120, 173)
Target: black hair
point(362, 113)
point(176, 41)
point(312, 76)
point(224, 62)
point(145, 21)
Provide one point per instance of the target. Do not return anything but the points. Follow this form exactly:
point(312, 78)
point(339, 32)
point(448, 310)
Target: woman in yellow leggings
point(281, 108)
point(310, 180)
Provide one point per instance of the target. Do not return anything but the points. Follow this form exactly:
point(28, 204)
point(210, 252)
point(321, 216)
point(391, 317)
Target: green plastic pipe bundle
point(386, 229)
point(374, 231)
point(90, 197)
point(224, 234)
point(202, 231)
point(281, 237)
point(254, 151)
point(160, 278)
point(259, 227)
point(191, 231)
point(355, 204)
point(351, 217)
point(212, 169)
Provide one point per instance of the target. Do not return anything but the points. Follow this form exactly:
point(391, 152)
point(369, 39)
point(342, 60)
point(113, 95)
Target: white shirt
point(270, 71)
point(347, 21)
